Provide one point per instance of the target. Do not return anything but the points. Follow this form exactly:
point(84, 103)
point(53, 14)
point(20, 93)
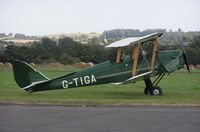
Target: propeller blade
point(186, 62)
point(184, 55)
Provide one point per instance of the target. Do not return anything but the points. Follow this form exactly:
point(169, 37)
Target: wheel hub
point(156, 92)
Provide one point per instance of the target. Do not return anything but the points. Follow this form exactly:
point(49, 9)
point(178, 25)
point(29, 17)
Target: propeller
point(184, 55)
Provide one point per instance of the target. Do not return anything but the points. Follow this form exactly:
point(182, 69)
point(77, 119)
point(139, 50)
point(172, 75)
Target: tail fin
point(25, 75)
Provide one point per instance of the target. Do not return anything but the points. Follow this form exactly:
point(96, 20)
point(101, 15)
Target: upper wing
point(133, 78)
point(133, 40)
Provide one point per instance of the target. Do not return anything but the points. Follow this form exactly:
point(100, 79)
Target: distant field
point(179, 88)
point(21, 41)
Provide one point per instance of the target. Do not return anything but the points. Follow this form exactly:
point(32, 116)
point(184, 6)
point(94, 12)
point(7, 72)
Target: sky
point(44, 17)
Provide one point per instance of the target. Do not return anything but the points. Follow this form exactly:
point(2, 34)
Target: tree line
point(65, 51)
point(68, 51)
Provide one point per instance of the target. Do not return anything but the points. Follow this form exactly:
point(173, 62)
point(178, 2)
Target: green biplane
point(137, 58)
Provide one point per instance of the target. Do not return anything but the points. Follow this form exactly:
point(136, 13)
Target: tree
point(193, 51)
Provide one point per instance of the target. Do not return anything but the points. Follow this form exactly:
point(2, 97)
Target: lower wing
point(133, 78)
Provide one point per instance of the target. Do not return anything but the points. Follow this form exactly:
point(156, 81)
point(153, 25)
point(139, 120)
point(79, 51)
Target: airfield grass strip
point(180, 88)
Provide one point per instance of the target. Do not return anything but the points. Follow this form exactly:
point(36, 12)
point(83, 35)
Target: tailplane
point(25, 75)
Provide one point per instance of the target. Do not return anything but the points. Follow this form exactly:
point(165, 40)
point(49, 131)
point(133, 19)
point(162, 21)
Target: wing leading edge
point(133, 78)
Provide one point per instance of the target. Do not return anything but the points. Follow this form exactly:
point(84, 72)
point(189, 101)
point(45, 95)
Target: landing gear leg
point(150, 89)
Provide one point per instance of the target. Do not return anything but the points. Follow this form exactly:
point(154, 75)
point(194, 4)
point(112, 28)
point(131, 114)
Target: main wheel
point(156, 90)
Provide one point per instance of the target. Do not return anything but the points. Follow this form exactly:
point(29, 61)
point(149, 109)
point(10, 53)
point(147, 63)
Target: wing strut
point(155, 47)
point(119, 52)
point(135, 58)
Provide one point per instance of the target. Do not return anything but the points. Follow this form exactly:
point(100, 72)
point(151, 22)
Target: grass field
point(179, 88)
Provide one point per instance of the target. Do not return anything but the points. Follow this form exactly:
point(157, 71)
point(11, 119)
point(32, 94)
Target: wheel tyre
point(156, 91)
point(146, 91)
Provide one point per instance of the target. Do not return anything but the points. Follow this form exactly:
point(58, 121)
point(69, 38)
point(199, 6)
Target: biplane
point(137, 58)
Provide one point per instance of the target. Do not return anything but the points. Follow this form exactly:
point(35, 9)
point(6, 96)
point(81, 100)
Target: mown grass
point(180, 88)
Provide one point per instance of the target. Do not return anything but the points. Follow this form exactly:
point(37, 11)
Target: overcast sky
point(43, 17)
